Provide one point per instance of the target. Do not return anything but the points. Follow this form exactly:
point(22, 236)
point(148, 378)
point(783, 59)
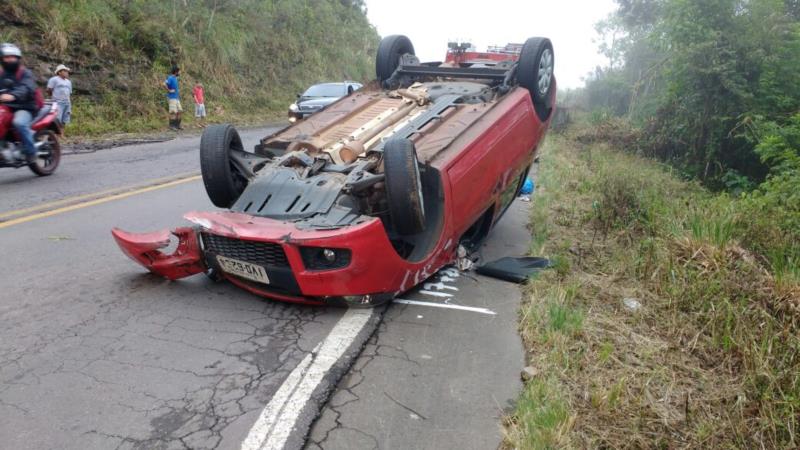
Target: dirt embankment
point(252, 56)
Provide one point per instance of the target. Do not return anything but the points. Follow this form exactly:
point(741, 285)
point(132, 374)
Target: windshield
point(326, 90)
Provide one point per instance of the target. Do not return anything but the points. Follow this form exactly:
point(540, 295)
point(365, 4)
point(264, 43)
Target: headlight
point(293, 107)
point(316, 258)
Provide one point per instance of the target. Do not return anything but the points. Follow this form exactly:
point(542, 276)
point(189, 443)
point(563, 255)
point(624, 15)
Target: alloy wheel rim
point(545, 71)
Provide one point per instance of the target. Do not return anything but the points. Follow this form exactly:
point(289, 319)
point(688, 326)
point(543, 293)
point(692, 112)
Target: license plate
point(243, 269)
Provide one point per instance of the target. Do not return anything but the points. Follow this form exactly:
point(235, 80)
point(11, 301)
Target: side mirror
point(299, 95)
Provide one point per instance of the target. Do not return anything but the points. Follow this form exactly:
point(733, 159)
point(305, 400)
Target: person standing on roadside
point(174, 99)
point(199, 95)
point(59, 88)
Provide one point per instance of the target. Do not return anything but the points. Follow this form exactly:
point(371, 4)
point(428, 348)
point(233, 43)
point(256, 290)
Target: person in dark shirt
point(17, 91)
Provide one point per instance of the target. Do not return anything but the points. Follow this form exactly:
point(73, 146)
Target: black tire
point(46, 163)
point(390, 50)
point(537, 55)
point(223, 181)
point(403, 187)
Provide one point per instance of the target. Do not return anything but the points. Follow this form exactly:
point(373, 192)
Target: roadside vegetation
point(665, 322)
point(670, 207)
point(252, 56)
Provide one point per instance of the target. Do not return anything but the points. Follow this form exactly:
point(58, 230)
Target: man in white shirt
point(59, 88)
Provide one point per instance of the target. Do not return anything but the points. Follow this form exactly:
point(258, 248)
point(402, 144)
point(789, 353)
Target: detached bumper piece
point(145, 248)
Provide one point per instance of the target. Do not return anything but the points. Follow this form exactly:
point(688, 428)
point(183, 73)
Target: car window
point(326, 90)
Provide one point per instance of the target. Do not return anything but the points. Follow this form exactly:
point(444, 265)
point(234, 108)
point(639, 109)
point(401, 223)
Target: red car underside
point(475, 155)
point(365, 280)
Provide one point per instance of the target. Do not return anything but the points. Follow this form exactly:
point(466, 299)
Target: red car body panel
point(482, 162)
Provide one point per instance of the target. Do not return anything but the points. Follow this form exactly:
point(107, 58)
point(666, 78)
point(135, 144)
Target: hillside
point(252, 56)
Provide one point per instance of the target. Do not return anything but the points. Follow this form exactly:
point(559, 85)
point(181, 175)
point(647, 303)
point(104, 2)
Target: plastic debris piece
point(632, 304)
point(463, 263)
point(528, 187)
point(515, 270)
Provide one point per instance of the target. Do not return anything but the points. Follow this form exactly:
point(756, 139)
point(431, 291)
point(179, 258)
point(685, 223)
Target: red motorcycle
point(46, 129)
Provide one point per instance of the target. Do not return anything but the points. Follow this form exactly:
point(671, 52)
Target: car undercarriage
point(359, 201)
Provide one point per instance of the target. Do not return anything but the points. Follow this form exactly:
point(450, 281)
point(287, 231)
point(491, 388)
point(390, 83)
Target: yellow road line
point(92, 195)
point(97, 201)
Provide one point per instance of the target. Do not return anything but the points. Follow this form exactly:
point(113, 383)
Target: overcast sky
point(432, 23)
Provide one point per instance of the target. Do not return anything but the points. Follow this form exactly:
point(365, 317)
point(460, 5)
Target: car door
point(492, 162)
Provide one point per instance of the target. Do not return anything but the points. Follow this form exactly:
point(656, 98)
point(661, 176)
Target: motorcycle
point(46, 129)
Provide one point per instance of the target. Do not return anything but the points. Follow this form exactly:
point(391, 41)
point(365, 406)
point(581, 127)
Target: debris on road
point(528, 187)
point(514, 269)
point(463, 263)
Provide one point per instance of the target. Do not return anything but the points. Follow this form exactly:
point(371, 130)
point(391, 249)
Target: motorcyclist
point(18, 88)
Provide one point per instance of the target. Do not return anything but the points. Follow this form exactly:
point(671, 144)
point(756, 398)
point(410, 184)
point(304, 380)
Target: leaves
point(689, 71)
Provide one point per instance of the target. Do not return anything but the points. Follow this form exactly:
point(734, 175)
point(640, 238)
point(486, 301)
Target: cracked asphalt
point(436, 378)
point(96, 354)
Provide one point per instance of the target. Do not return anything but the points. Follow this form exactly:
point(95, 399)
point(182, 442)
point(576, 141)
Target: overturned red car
point(375, 193)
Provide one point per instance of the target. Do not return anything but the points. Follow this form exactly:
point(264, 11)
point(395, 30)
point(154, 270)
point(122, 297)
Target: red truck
point(372, 195)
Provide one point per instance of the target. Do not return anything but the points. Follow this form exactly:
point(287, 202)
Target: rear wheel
point(535, 73)
point(48, 154)
point(390, 50)
point(223, 178)
point(403, 187)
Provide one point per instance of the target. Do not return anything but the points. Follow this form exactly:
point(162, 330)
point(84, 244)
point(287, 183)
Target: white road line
point(275, 424)
point(436, 294)
point(446, 305)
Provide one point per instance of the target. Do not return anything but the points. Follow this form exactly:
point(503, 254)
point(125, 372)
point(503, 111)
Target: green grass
point(543, 419)
point(709, 360)
point(562, 317)
point(252, 56)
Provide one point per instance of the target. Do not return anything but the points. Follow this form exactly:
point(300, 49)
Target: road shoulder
point(437, 377)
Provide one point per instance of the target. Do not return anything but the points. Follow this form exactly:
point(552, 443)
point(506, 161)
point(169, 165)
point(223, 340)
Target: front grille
point(259, 253)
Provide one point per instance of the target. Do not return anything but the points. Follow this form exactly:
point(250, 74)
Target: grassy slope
point(711, 357)
point(253, 56)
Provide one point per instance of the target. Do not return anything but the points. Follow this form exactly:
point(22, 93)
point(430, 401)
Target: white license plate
point(243, 269)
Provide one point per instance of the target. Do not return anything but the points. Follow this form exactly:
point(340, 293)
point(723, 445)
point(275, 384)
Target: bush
point(709, 358)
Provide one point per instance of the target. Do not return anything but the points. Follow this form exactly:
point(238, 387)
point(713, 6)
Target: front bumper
point(375, 273)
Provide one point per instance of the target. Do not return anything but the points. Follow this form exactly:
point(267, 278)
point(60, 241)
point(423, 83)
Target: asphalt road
point(97, 354)
point(436, 377)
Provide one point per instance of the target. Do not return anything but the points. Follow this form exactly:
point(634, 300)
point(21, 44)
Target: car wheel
point(535, 73)
point(390, 50)
point(223, 180)
point(403, 187)
point(49, 153)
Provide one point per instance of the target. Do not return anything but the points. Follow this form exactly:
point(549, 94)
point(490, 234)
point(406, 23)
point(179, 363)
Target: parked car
point(319, 96)
point(371, 196)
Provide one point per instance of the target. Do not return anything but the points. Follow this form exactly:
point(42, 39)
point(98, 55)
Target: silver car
point(319, 96)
